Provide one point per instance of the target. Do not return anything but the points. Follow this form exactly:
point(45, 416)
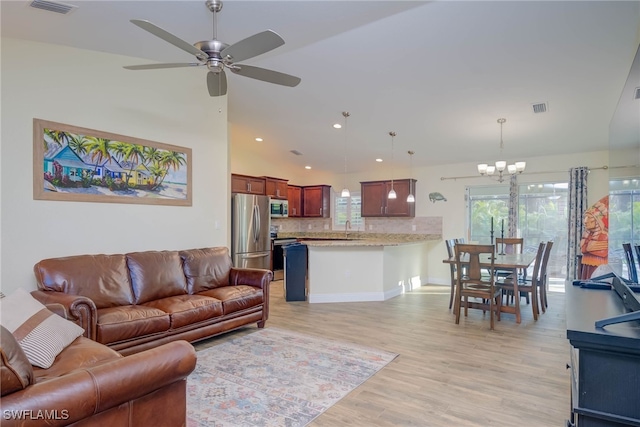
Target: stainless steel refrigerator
point(250, 238)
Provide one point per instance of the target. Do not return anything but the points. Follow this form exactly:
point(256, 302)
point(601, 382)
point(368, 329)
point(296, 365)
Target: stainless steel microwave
point(279, 208)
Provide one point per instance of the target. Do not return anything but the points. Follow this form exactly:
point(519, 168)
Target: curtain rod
point(605, 167)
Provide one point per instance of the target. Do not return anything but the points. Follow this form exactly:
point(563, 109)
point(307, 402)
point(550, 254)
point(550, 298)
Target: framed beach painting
point(71, 163)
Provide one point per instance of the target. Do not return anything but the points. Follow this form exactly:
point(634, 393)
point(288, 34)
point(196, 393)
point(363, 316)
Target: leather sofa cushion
point(82, 353)
point(16, 372)
point(131, 321)
point(188, 309)
point(206, 268)
point(102, 278)
point(156, 275)
point(236, 298)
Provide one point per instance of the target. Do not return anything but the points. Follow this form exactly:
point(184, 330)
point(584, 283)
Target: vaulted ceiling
point(438, 73)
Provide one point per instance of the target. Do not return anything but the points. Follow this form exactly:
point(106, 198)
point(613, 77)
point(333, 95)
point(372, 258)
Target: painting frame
point(72, 163)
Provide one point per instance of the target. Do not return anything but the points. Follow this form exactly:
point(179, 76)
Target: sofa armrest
point(250, 276)
point(85, 392)
point(78, 309)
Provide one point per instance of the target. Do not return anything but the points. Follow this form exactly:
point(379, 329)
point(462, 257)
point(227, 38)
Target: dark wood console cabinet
point(604, 362)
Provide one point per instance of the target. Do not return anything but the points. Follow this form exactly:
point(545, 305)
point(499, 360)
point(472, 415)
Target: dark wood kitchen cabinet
point(294, 196)
point(277, 188)
point(375, 202)
point(247, 184)
point(316, 201)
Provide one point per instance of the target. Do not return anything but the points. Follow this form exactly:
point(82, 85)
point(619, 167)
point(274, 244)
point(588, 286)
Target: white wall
point(92, 90)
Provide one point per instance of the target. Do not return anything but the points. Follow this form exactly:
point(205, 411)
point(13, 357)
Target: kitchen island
point(375, 268)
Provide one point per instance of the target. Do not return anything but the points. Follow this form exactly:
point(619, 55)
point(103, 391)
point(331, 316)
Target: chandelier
point(501, 165)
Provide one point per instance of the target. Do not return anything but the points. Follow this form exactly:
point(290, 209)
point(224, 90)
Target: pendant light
point(501, 165)
point(345, 191)
point(392, 193)
point(411, 198)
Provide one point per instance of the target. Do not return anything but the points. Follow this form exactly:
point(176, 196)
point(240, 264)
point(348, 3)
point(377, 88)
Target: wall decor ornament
point(71, 163)
point(436, 197)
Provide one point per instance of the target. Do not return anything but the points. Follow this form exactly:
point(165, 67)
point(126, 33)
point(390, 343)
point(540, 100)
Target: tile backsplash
point(418, 225)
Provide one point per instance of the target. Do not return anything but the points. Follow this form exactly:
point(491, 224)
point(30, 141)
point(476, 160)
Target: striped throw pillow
point(41, 333)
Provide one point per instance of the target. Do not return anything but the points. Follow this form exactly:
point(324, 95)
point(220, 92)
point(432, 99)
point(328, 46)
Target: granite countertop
point(358, 239)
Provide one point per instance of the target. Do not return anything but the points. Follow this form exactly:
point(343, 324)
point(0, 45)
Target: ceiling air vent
point(539, 108)
point(636, 94)
point(53, 6)
point(296, 152)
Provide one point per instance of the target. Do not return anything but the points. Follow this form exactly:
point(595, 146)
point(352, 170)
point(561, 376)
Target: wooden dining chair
point(474, 284)
point(544, 282)
point(631, 264)
point(451, 243)
point(509, 245)
point(529, 286)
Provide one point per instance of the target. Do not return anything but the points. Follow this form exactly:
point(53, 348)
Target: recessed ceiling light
point(259, 139)
point(337, 126)
point(307, 167)
point(378, 160)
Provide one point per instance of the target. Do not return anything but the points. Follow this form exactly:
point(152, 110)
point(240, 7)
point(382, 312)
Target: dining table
point(513, 262)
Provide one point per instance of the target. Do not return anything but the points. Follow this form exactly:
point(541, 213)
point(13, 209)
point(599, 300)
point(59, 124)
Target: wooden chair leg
point(534, 303)
point(453, 291)
point(466, 306)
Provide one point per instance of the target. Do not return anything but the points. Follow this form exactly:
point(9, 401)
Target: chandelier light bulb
point(520, 166)
point(482, 168)
point(512, 169)
point(500, 165)
point(491, 170)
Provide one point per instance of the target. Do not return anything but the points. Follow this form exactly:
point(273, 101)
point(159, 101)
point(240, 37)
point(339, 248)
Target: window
point(486, 203)
point(348, 208)
point(624, 220)
point(542, 216)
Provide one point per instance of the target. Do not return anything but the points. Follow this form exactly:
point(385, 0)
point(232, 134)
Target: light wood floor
point(446, 374)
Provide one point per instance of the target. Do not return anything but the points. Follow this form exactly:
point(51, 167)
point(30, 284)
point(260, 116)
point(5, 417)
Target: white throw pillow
point(41, 333)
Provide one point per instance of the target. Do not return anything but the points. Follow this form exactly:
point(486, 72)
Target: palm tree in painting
point(134, 154)
point(100, 149)
point(57, 136)
point(79, 144)
point(169, 160)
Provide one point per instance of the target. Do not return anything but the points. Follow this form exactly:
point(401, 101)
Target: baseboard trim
point(355, 297)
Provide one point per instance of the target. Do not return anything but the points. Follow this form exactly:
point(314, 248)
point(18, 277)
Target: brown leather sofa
point(90, 384)
point(135, 301)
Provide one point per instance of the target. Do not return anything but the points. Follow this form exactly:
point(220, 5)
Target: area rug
point(274, 377)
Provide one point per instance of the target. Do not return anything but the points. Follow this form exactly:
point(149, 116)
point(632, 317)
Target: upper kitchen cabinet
point(294, 195)
point(247, 184)
point(277, 188)
point(316, 201)
point(375, 202)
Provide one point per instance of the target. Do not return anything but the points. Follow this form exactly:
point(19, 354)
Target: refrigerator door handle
point(256, 219)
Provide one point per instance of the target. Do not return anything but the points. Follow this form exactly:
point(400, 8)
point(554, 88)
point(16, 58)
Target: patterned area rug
point(274, 377)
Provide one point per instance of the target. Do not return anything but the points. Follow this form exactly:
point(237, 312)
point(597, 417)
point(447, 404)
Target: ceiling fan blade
point(217, 83)
point(266, 75)
point(252, 46)
point(168, 37)
point(158, 66)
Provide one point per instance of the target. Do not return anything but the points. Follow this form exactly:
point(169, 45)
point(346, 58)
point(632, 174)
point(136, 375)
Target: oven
point(278, 257)
point(279, 208)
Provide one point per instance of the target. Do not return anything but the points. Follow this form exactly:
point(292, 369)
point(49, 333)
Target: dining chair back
point(451, 243)
point(509, 245)
point(473, 283)
point(631, 264)
point(544, 277)
point(530, 286)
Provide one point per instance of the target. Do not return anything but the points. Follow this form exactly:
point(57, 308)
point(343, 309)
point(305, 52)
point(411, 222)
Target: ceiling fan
point(217, 55)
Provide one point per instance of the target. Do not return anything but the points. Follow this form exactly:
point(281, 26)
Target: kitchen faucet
point(347, 225)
